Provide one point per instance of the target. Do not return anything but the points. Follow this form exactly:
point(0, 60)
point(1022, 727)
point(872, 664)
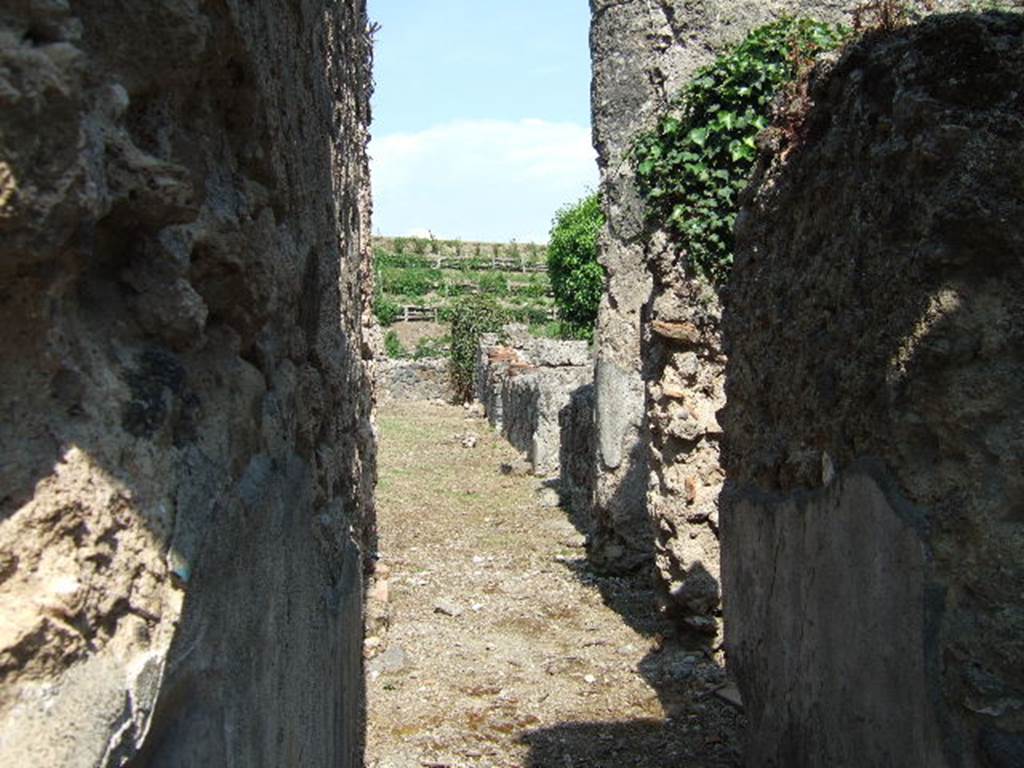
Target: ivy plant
point(470, 317)
point(692, 166)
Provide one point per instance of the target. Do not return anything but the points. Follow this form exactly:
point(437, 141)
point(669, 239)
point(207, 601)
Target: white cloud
point(480, 179)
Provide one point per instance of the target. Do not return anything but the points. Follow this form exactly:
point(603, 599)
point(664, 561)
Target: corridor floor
point(490, 641)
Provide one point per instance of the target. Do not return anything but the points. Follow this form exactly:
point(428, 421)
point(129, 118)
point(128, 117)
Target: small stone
point(684, 331)
point(731, 694)
point(548, 498)
point(393, 660)
point(379, 592)
point(518, 468)
point(371, 647)
point(447, 608)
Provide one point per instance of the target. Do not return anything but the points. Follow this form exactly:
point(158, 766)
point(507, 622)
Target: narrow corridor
point(491, 641)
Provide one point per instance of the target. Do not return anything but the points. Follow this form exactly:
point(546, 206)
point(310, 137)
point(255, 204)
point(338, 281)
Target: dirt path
point(491, 641)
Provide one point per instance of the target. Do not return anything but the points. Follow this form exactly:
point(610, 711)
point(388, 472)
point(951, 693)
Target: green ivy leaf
point(699, 136)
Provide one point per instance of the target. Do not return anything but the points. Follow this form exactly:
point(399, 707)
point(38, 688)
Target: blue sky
point(481, 116)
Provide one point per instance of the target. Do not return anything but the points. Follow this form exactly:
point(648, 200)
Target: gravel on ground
point(490, 640)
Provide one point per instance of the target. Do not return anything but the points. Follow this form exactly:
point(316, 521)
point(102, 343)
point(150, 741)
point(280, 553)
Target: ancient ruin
point(674, 338)
point(660, 365)
point(188, 461)
point(872, 534)
point(819, 461)
point(524, 385)
point(413, 380)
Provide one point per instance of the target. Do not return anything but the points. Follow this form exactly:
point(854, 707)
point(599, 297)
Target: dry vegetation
point(504, 649)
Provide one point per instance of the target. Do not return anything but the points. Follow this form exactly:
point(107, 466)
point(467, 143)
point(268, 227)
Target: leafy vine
point(692, 166)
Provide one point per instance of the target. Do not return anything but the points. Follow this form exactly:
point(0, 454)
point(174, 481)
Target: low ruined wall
point(532, 400)
point(188, 459)
point(524, 384)
point(404, 380)
point(873, 533)
point(576, 445)
point(492, 363)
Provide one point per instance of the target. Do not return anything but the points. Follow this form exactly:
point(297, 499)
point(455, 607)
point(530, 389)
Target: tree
point(577, 279)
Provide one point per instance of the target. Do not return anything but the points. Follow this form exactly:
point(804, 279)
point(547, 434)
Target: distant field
point(418, 280)
point(486, 253)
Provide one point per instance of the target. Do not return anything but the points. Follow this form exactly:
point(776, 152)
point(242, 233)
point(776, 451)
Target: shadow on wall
point(895, 336)
point(626, 545)
point(182, 435)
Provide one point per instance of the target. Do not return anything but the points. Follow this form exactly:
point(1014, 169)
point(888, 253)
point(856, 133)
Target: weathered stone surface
point(831, 611)
point(875, 312)
point(187, 453)
point(414, 380)
point(576, 464)
point(492, 364)
point(643, 53)
point(524, 385)
point(531, 404)
point(552, 353)
point(655, 404)
point(624, 51)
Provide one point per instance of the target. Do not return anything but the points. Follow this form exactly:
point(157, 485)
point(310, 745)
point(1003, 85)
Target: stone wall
point(532, 401)
point(188, 458)
point(524, 385)
point(874, 528)
point(576, 463)
point(401, 380)
point(660, 362)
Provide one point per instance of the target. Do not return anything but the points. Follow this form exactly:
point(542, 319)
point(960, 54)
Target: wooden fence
point(503, 264)
point(411, 314)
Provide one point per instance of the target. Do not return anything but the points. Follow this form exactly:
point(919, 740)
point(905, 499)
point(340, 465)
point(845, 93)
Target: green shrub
point(693, 165)
point(409, 281)
point(401, 260)
point(392, 345)
point(474, 263)
point(450, 289)
point(577, 280)
point(535, 315)
point(428, 347)
point(470, 316)
point(494, 283)
point(549, 329)
point(386, 310)
point(535, 287)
